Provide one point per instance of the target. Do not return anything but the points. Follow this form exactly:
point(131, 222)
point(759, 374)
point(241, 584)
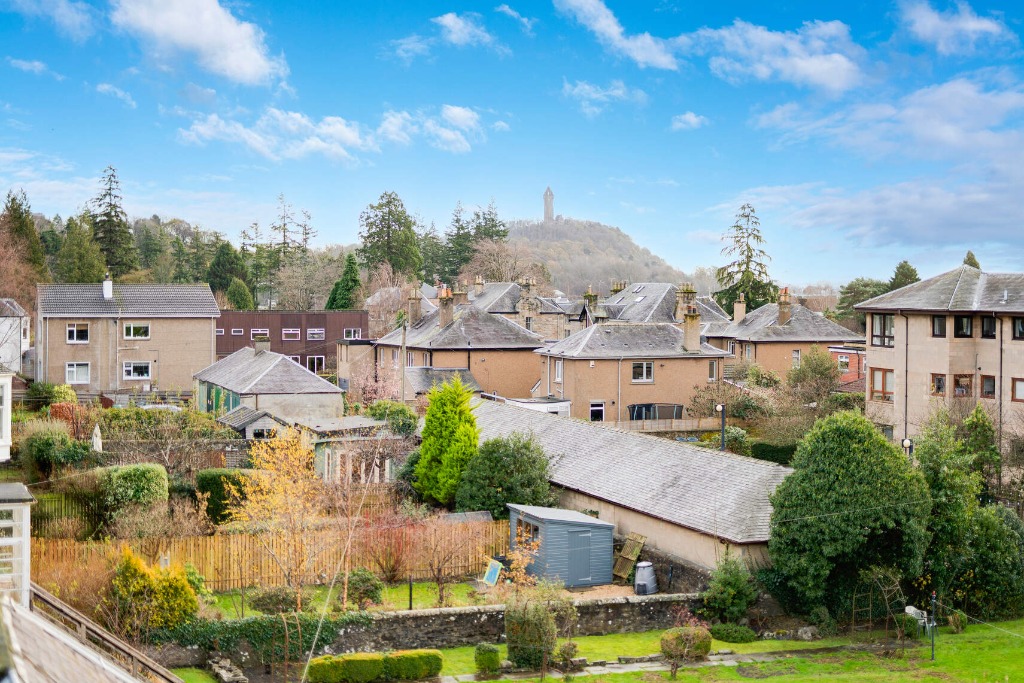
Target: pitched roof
point(422, 379)
point(497, 297)
point(241, 417)
point(804, 325)
point(964, 289)
point(248, 371)
point(706, 490)
point(631, 340)
point(643, 302)
point(129, 300)
point(471, 328)
point(710, 310)
point(9, 308)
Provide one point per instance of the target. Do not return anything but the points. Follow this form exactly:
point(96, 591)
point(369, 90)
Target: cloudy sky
point(863, 133)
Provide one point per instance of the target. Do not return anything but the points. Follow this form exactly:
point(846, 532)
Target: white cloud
point(954, 31)
point(462, 118)
point(644, 49)
point(525, 23)
point(820, 54)
point(197, 94)
point(465, 30)
point(73, 19)
point(397, 126)
point(688, 121)
point(593, 99)
point(446, 139)
point(114, 91)
point(501, 126)
point(33, 67)
point(221, 43)
point(411, 47)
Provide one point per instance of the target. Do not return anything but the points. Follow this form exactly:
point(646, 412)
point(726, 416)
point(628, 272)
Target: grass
point(191, 675)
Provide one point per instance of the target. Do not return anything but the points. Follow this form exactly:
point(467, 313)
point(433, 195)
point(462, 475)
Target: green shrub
point(63, 393)
point(276, 600)
point(733, 633)
point(400, 418)
point(145, 599)
point(362, 667)
point(174, 600)
point(564, 654)
point(43, 450)
point(685, 644)
point(142, 485)
point(487, 658)
point(39, 394)
point(730, 592)
point(773, 452)
point(364, 588)
point(736, 440)
point(412, 665)
point(820, 617)
point(196, 580)
point(530, 632)
point(212, 482)
point(957, 621)
point(907, 627)
point(325, 669)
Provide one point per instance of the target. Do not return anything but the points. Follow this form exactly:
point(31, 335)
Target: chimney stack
point(413, 307)
point(617, 286)
point(686, 296)
point(590, 297)
point(478, 285)
point(739, 309)
point(446, 306)
point(261, 344)
point(526, 285)
point(691, 329)
point(108, 288)
point(460, 296)
point(785, 308)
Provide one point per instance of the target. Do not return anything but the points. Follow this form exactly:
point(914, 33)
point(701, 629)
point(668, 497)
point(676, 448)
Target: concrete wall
point(176, 349)
point(293, 407)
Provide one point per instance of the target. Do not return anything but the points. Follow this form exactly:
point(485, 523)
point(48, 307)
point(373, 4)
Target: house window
point(988, 328)
point(882, 382)
point(749, 351)
point(220, 331)
point(136, 330)
point(1018, 389)
point(237, 331)
point(136, 370)
point(409, 362)
point(1018, 328)
point(568, 333)
point(597, 411)
point(796, 358)
point(258, 332)
point(844, 362)
point(264, 433)
point(938, 385)
point(712, 370)
point(938, 326)
point(732, 348)
point(426, 359)
point(76, 373)
point(883, 328)
point(643, 372)
point(297, 359)
point(988, 386)
point(353, 333)
point(963, 326)
point(638, 288)
point(315, 364)
point(962, 386)
point(78, 333)
point(525, 531)
point(529, 323)
point(887, 431)
point(394, 358)
point(291, 334)
point(558, 369)
point(24, 329)
point(315, 334)
point(639, 299)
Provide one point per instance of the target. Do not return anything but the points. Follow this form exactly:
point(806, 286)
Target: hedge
point(772, 452)
point(143, 484)
point(213, 481)
point(487, 658)
point(365, 667)
point(48, 450)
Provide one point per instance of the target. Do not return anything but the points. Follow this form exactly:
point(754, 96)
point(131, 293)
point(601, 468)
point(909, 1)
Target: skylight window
point(639, 299)
point(637, 288)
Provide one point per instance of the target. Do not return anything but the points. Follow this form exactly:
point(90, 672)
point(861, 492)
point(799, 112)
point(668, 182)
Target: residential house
point(109, 338)
point(618, 371)
point(850, 358)
point(14, 334)
point(690, 502)
point(383, 304)
point(307, 337)
point(263, 380)
point(553, 318)
point(955, 339)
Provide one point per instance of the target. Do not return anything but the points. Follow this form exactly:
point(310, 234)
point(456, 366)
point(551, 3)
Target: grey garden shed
point(575, 549)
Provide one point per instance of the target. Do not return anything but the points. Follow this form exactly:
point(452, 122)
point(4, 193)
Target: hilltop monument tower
point(549, 205)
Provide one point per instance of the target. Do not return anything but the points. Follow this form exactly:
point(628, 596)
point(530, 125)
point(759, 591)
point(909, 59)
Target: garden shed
point(575, 549)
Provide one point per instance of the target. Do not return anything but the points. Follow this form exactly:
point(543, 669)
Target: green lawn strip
point(191, 675)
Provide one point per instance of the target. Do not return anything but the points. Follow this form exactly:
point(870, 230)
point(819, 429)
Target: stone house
point(552, 318)
point(111, 338)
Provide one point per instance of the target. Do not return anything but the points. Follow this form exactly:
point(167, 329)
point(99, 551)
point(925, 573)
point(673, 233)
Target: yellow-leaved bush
point(145, 598)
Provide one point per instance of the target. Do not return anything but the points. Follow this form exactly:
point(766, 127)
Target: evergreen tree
point(450, 438)
point(487, 225)
point(227, 264)
point(459, 246)
point(110, 227)
point(239, 297)
point(79, 258)
point(512, 469)
point(17, 221)
point(971, 260)
point(747, 274)
point(388, 235)
point(905, 274)
point(52, 237)
point(343, 295)
point(432, 250)
point(182, 261)
point(854, 292)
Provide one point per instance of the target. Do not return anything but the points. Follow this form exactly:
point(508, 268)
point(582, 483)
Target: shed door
point(579, 557)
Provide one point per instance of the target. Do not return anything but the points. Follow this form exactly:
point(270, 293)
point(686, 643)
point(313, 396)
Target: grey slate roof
point(247, 372)
point(243, 416)
point(129, 300)
point(422, 379)
point(631, 340)
point(657, 303)
point(471, 328)
point(702, 489)
point(963, 289)
point(497, 297)
point(558, 515)
point(804, 325)
point(710, 310)
point(9, 308)
point(341, 424)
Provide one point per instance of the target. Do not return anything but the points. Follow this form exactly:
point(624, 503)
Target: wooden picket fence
point(232, 561)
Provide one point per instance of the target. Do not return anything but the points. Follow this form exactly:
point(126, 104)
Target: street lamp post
point(720, 409)
point(908, 446)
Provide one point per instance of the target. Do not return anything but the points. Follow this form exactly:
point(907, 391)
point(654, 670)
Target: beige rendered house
point(955, 339)
point(124, 338)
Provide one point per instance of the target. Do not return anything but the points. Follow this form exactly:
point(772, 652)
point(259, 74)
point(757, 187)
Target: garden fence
point(233, 561)
point(51, 513)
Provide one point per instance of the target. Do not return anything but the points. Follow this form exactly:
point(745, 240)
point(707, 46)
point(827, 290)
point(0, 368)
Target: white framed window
point(353, 333)
point(297, 359)
point(394, 358)
point(558, 369)
point(220, 331)
point(136, 330)
point(237, 331)
point(291, 334)
point(844, 362)
point(426, 359)
point(78, 333)
point(315, 334)
point(748, 351)
point(315, 363)
point(796, 358)
point(133, 369)
point(258, 332)
point(597, 411)
point(76, 373)
point(712, 370)
point(409, 362)
point(732, 348)
point(24, 329)
point(643, 371)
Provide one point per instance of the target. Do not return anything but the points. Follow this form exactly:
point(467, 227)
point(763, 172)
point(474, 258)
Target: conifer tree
point(459, 246)
point(343, 295)
point(971, 260)
point(79, 258)
point(747, 274)
point(388, 235)
point(17, 221)
point(110, 227)
point(239, 296)
point(227, 264)
point(905, 274)
point(450, 441)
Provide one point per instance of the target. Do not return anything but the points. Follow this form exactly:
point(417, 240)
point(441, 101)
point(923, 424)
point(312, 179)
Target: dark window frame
point(1018, 327)
point(981, 386)
point(936, 320)
point(934, 391)
point(985, 321)
point(969, 334)
point(881, 323)
point(957, 386)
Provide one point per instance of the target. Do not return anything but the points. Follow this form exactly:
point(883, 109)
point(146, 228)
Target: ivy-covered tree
point(388, 235)
point(971, 260)
point(79, 258)
point(227, 264)
point(512, 469)
point(343, 295)
point(747, 273)
point(110, 227)
point(16, 220)
point(450, 441)
point(239, 297)
point(905, 274)
point(853, 502)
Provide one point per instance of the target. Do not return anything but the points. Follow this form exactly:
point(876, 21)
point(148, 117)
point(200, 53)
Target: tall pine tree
point(388, 235)
point(343, 296)
point(79, 258)
point(748, 272)
point(17, 221)
point(110, 227)
point(227, 264)
point(459, 248)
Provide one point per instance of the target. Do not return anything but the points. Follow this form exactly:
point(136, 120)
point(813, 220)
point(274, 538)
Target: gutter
point(906, 371)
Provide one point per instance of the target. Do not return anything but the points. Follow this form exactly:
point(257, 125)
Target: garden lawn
point(191, 675)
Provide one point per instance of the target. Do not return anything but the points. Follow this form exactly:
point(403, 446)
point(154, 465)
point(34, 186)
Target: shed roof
point(963, 289)
point(558, 515)
point(241, 417)
point(422, 379)
point(15, 492)
point(248, 371)
point(715, 493)
point(129, 300)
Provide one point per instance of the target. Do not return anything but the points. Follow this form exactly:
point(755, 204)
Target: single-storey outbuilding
point(575, 549)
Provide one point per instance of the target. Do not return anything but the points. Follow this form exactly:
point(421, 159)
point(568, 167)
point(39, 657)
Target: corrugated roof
point(129, 300)
point(247, 372)
point(558, 515)
point(632, 340)
point(963, 289)
point(471, 328)
point(804, 325)
point(712, 492)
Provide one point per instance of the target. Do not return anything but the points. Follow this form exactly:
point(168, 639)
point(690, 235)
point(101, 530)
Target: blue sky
point(863, 133)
